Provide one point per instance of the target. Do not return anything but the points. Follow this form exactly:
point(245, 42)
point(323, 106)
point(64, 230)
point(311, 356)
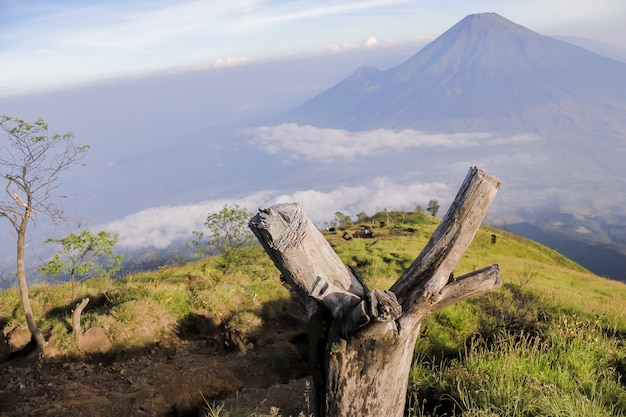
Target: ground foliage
point(550, 342)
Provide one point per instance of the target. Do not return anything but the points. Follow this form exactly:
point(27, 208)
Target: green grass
point(550, 342)
point(570, 370)
point(141, 309)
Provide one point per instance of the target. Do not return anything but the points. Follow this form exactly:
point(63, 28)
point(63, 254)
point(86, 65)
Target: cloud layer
point(161, 226)
point(312, 143)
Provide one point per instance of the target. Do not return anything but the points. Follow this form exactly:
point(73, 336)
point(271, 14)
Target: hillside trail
point(174, 377)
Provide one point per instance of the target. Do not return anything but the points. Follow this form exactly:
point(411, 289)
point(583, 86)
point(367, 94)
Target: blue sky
point(53, 44)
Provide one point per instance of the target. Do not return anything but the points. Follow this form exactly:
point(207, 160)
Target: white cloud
point(229, 62)
point(162, 226)
point(309, 142)
point(373, 196)
point(310, 10)
point(335, 48)
point(371, 41)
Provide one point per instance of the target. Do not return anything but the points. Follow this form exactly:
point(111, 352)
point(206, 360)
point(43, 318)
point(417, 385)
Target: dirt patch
point(5, 350)
point(291, 399)
point(17, 337)
point(95, 340)
point(174, 377)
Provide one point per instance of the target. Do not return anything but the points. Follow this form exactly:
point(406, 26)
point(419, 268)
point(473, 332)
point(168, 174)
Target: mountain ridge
point(484, 67)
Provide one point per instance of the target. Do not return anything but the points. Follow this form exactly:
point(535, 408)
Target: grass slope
point(550, 342)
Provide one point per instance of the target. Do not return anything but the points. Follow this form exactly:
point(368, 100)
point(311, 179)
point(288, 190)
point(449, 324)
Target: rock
point(95, 340)
point(18, 338)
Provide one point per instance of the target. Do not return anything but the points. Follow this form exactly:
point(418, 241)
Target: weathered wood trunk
point(77, 330)
point(362, 340)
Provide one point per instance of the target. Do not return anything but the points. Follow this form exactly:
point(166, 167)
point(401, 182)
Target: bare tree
point(362, 340)
point(31, 160)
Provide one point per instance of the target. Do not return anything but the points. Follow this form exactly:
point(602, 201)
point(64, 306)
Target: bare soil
point(175, 377)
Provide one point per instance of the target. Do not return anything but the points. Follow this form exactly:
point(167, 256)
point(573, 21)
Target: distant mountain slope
point(610, 51)
point(484, 74)
point(606, 260)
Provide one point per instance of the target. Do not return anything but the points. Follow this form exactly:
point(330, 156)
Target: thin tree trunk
point(28, 311)
point(362, 341)
point(73, 283)
point(76, 328)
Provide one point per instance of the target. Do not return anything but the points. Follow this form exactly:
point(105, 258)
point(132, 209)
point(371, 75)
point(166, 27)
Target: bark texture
point(78, 332)
point(361, 340)
point(37, 336)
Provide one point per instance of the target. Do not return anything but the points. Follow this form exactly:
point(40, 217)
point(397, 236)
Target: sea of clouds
point(163, 225)
point(313, 143)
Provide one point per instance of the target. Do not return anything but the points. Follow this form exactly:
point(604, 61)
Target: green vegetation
point(433, 207)
point(519, 353)
point(342, 220)
point(228, 235)
point(141, 309)
point(31, 161)
point(550, 342)
point(83, 253)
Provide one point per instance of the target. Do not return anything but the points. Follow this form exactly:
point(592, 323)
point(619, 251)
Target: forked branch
point(426, 278)
point(310, 265)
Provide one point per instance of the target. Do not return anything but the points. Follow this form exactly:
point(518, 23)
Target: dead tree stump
point(361, 340)
point(77, 330)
